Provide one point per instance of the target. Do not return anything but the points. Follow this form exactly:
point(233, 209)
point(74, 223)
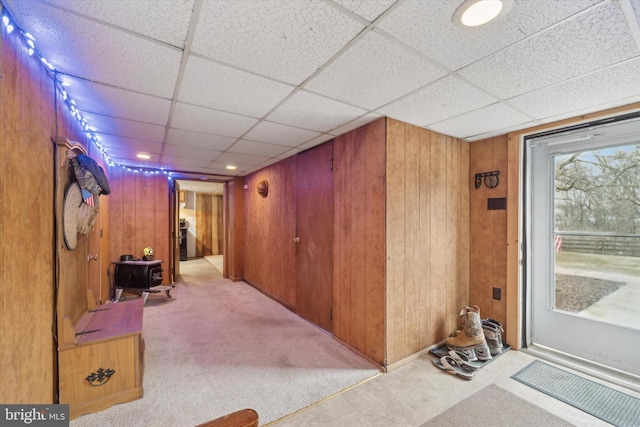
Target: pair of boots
point(479, 338)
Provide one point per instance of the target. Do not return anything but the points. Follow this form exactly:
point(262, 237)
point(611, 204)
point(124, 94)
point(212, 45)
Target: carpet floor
point(219, 346)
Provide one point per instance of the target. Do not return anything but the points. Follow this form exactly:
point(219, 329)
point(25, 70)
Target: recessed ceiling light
point(475, 13)
point(232, 167)
point(144, 156)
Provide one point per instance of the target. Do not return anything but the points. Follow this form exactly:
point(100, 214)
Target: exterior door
point(583, 256)
point(314, 239)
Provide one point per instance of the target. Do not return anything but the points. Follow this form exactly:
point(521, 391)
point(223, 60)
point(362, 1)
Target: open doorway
point(199, 214)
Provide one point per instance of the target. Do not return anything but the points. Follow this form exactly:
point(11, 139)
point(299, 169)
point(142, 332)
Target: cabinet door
point(314, 240)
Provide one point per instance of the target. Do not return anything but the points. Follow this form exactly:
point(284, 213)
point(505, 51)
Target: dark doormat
point(612, 406)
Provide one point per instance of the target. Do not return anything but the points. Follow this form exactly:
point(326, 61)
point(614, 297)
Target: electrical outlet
point(497, 294)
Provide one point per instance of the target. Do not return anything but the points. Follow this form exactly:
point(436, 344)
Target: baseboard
point(395, 365)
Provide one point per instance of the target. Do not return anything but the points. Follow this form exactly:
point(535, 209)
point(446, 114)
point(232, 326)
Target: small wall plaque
point(263, 188)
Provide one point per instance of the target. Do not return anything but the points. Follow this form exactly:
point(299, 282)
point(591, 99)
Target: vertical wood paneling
point(359, 236)
point(427, 228)
point(270, 229)
point(139, 217)
point(234, 218)
point(426, 330)
point(30, 209)
point(488, 229)
point(314, 224)
point(438, 315)
point(395, 239)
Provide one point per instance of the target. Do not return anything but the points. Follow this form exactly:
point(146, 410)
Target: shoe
point(472, 335)
point(449, 365)
point(463, 361)
point(493, 334)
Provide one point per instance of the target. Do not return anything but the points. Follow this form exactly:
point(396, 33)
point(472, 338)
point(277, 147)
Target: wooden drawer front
point(121, 354)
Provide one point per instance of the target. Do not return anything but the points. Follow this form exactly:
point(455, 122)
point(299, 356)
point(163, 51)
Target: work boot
point(493, 334)
point(472, 336)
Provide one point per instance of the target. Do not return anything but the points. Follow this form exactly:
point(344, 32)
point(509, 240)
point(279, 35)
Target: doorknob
point(296, 239)
point(92, 257)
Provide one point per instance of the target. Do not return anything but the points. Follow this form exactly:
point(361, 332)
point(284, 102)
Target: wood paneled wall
point(488, 237)
point(269, 248)
point(30, 219)
point(359, 239)
point(234, 228)
point(427, 227)
point(139, 217)
point(209, 230)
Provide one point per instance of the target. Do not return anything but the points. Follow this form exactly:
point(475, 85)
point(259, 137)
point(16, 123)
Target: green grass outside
point(603, 263)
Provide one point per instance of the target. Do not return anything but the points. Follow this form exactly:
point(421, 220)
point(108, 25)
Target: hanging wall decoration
point(263, 188)
point(490, 179)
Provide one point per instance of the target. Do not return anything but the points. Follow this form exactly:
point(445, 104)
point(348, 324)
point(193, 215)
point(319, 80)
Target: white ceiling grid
point(200, 84)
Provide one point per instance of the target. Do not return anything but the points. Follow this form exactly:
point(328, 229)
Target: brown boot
point(472, 338)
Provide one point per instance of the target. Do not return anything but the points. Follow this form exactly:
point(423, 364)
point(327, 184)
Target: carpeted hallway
point(218, 346)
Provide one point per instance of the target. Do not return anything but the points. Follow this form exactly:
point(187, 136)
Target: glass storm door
point(582, 227)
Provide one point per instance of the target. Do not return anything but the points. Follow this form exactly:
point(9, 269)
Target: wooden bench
point(241, 418)
point(101, 357)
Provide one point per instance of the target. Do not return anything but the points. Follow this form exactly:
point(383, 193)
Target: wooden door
point(175, 230)
point(94, 260)
point(314, 239)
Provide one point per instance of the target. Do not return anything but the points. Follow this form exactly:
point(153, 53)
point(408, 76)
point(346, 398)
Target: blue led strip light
point(30, 42)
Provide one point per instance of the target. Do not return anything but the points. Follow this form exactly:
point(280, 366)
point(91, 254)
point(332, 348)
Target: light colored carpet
point(494, 406)
point(218, 346)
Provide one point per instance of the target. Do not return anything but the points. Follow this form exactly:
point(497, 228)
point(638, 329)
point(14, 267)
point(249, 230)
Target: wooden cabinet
point(104, 365)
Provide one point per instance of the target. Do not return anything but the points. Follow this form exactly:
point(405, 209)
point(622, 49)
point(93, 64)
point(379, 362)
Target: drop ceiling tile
point(190, 152)
point(617, 82)
point(257, 148)
point(315, 112)
point(578, 46)
point(217, 168)
point(132, 146)
point(601, 107)
point(287, 40)
point(199, 140)
point(502, 131)
point(635, 4)
point(275, 133)
point(144, 65)
point(373, 72)
point(427, 26)
point(204, 120)
point(184, 163)
point(241, 159)
point(212, 85)
point(368, 9)
point(97, 98)
point(448, 97)
point(486, 119)
point(128, 128)
point(158, 19)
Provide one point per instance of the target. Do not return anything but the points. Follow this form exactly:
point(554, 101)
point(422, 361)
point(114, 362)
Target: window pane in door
point(596, 240)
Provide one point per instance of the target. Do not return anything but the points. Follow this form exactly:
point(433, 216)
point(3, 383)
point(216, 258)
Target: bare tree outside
point(597, 232)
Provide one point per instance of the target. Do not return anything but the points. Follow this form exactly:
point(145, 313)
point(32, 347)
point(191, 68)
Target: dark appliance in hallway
point(183, 239)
